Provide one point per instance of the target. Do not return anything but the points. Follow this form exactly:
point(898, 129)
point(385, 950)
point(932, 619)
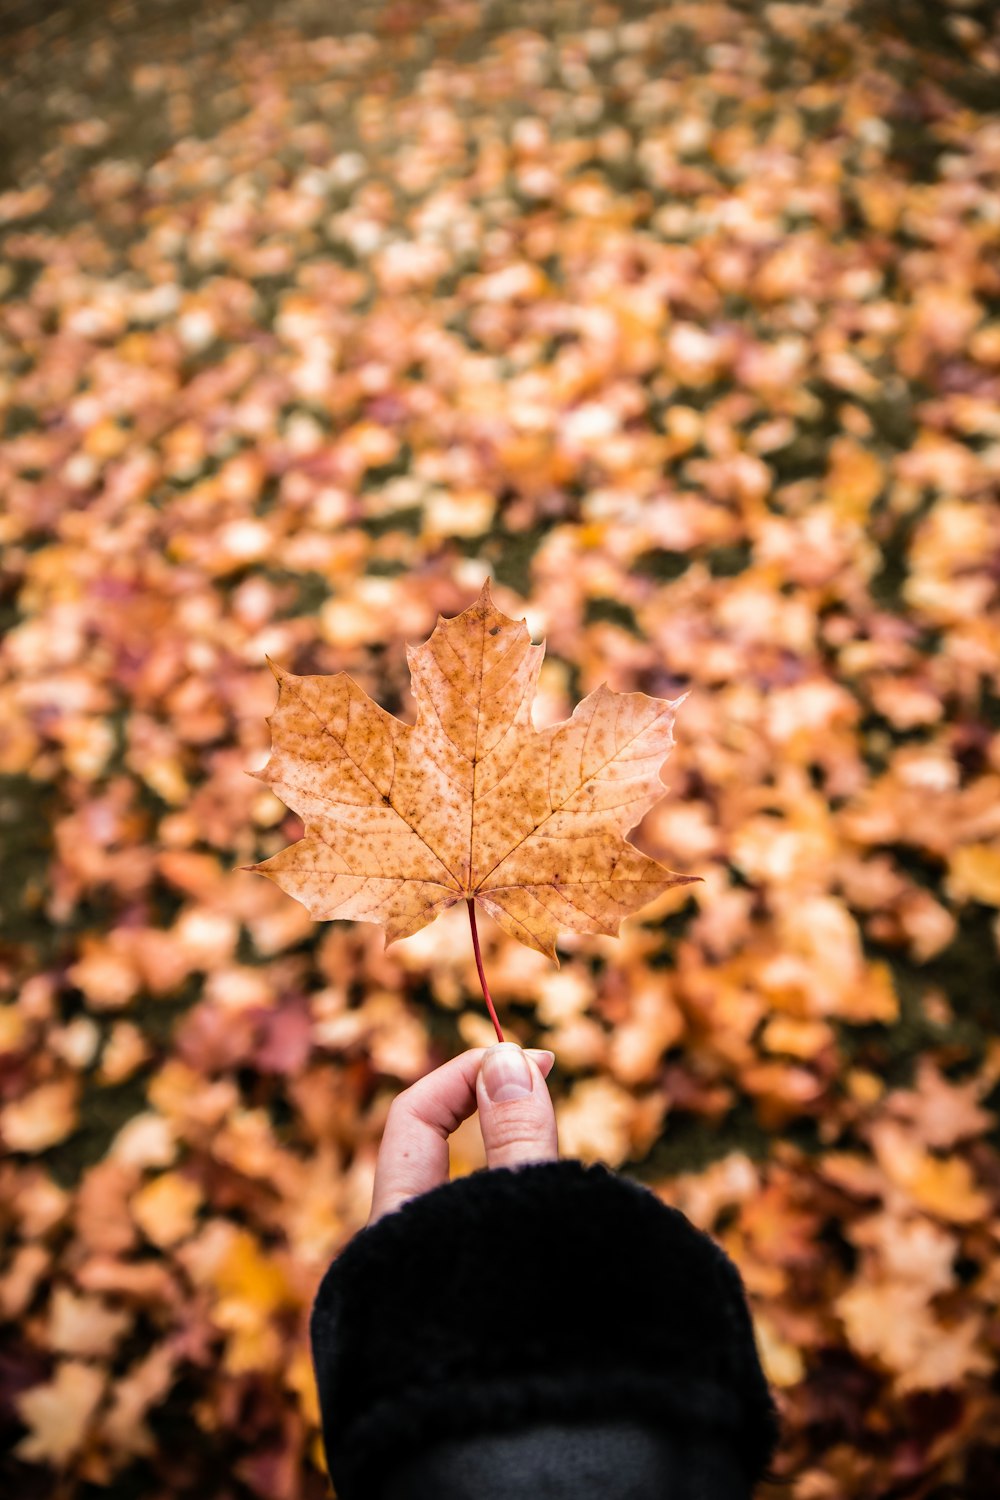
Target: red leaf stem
point(470, 903)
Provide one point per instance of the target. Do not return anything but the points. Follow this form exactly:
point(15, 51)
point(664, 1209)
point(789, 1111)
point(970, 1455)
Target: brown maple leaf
point(471, 803)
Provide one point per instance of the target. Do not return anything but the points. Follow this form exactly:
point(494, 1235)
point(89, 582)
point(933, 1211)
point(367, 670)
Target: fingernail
point(543, 1058)
point(506, 1073)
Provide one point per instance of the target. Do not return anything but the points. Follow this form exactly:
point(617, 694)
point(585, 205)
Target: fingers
point(515, 1110)
point(413, 1156)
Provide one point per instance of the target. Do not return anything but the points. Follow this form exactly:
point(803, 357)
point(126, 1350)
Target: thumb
point(515, 1111)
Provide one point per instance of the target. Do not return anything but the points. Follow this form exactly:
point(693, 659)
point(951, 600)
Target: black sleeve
point(546, 1296)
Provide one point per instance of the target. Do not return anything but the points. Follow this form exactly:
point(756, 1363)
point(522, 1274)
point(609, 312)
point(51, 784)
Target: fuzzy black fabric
point(552, 1292)
point(570, 1461)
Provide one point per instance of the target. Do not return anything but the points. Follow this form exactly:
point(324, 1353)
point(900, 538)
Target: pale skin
point(413, 1156)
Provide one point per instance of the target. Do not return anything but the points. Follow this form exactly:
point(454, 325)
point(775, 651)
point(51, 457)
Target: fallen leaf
point(58, 1414)
point(20, 1280)
point(101, 1211)
point(783, 1363)
point(42, 1118)
point(942, 1186)
point(596, 1121)
point(974, 874)
point(84, 1325)
point(942, 1112)
point(913, 1250)
point(125, 1050)
point(134, 1393)
point(249, 1288)
point(166, 1208)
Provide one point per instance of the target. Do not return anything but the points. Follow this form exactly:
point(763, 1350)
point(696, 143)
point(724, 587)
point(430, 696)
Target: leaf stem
point(471, 904)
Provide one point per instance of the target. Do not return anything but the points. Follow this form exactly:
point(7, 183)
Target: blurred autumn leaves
point(684, 325)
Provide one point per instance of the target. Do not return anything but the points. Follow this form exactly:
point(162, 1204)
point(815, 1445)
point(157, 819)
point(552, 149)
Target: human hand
point(517, 1127)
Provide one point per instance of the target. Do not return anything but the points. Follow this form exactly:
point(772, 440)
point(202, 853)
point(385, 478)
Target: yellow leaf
point(946, 1188)
point(250, 1288)
point(244, 1274)
point(974, 874)
point(783, 1364)
point(301, 1378)
point(12, 1028)
point(875, 998)
point(942, 1186)
point(854, 480)
point(796, 1037)
point(166, 1208)
point(471, 802)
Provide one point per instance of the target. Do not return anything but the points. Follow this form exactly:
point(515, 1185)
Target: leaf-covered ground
point(683, 323)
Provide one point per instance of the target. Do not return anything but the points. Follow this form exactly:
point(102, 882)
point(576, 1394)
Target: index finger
point(413, 1156)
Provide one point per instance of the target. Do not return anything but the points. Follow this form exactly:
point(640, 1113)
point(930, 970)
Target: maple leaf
point(471, 802)
point(59, 1414)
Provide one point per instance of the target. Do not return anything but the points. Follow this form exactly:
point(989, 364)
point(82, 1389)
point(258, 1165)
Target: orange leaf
point(42, 1118)
point(470, 802)
point(166, 1208)
point(942, 1186)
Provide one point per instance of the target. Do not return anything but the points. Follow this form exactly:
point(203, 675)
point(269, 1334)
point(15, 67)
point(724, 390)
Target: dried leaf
point(42, 1118)
point(943, 1113)
point(892, 1322)
point(166, 1208)
point(471, 802)
point(974, 874)
point(133, 1395)
point(58, 1415)
point(942, 1186)
point(84, 1325)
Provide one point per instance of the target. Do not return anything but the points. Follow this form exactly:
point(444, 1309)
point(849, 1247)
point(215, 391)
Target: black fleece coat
point(551, 1330)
